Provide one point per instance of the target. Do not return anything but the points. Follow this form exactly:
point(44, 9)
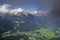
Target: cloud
point(40, 13)
point(15, 11)
point(7, 8)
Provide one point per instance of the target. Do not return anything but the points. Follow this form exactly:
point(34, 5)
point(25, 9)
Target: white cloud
point(15, 11)
point(39, 13)
point(34, 12)
point(6, 8)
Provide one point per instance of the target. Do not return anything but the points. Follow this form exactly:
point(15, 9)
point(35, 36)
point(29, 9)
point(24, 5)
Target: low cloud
point(7, 8)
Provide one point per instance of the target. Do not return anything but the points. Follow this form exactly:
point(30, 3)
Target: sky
point(29, 4)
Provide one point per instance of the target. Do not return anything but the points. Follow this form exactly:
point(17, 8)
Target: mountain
point(21, 19)
point(26, 20)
